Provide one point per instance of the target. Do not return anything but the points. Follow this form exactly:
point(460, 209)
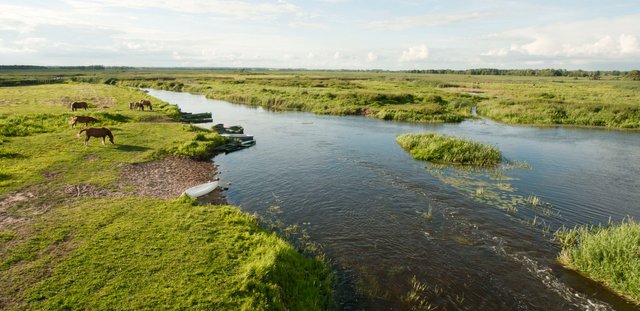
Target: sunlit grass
point(136, 253)
point(609, 254)
point(438, 148)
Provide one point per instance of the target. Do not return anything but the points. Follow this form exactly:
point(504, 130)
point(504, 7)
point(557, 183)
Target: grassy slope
point(608, 254)
point(449, 150)
point(127, 252)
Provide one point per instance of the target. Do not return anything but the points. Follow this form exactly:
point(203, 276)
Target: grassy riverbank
point(74, 235)
point(609, 254)
point(444, 149)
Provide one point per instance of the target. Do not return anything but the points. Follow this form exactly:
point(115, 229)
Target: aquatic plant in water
point(439, 148)
point(491, 186)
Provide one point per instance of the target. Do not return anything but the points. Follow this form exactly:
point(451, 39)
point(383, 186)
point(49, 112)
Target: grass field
point(61, 251)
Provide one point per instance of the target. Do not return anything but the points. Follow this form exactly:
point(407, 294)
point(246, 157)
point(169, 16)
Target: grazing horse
point(102, 132)
point(145, 102)
point(136, 106)
point(82, 119)
point(77, 105)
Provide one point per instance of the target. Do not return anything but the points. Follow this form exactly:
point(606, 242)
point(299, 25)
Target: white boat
point(200, 190)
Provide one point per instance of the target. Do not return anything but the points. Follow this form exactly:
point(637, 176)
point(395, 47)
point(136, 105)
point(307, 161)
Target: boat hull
point(200, 190)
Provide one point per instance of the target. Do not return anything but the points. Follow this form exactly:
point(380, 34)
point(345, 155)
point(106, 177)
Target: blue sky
point(323, 34)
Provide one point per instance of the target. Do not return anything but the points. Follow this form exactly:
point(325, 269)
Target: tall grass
point(609, 254)
point(443, 149)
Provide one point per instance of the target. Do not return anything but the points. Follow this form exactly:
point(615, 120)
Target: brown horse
point(145, 102)
point(136, 106)
point(101, 132)
point(82, 119)
point(77, 105)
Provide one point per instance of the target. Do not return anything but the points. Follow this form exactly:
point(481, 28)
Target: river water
point(403, 234)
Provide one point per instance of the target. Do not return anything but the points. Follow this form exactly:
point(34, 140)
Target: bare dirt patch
point(167, 178)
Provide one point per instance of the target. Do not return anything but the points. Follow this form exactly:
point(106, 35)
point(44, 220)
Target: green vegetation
point(609, 254)
point(137, 253)
point(543, 97)
point(109, 249)
point(438, 148)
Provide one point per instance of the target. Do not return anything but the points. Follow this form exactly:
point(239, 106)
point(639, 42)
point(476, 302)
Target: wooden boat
point(188, 117)
point(200, 190)
point(234, 129)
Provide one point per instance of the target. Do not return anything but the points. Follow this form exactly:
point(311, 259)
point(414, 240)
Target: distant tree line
point(33, 67)
point(534, 72)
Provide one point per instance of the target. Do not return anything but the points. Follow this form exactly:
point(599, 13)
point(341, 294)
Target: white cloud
point(415, 53)
point(496, 52)
point(407, 22)
point(306, 25)
point(230, 8)
point(605, 39)
point(337, 55)
point(372, 57)
point(175, 55)
point(604, 47)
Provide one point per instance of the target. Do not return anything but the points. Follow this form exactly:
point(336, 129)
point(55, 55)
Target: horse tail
point(82, 130)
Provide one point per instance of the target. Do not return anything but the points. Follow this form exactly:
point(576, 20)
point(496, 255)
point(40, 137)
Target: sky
point(323, 34)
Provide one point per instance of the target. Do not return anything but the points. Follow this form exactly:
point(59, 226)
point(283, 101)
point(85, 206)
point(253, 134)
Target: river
point(405, 234)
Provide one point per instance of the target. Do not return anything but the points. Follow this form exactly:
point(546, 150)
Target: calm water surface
point(389, 223)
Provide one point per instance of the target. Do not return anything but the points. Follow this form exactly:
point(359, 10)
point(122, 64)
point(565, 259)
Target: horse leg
point(86, 140)
point(103, 137)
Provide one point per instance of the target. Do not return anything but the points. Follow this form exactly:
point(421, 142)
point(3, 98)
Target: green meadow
point(118, 251)
point(539, 98)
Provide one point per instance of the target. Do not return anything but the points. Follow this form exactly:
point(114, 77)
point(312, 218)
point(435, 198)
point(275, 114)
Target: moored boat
point(200, 190)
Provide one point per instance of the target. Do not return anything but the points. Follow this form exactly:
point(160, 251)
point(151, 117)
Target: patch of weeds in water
point(422, 296)
point(428, 215)
point(533, 200)
point(417, 297)
point(274, 210)
point(491, 186)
